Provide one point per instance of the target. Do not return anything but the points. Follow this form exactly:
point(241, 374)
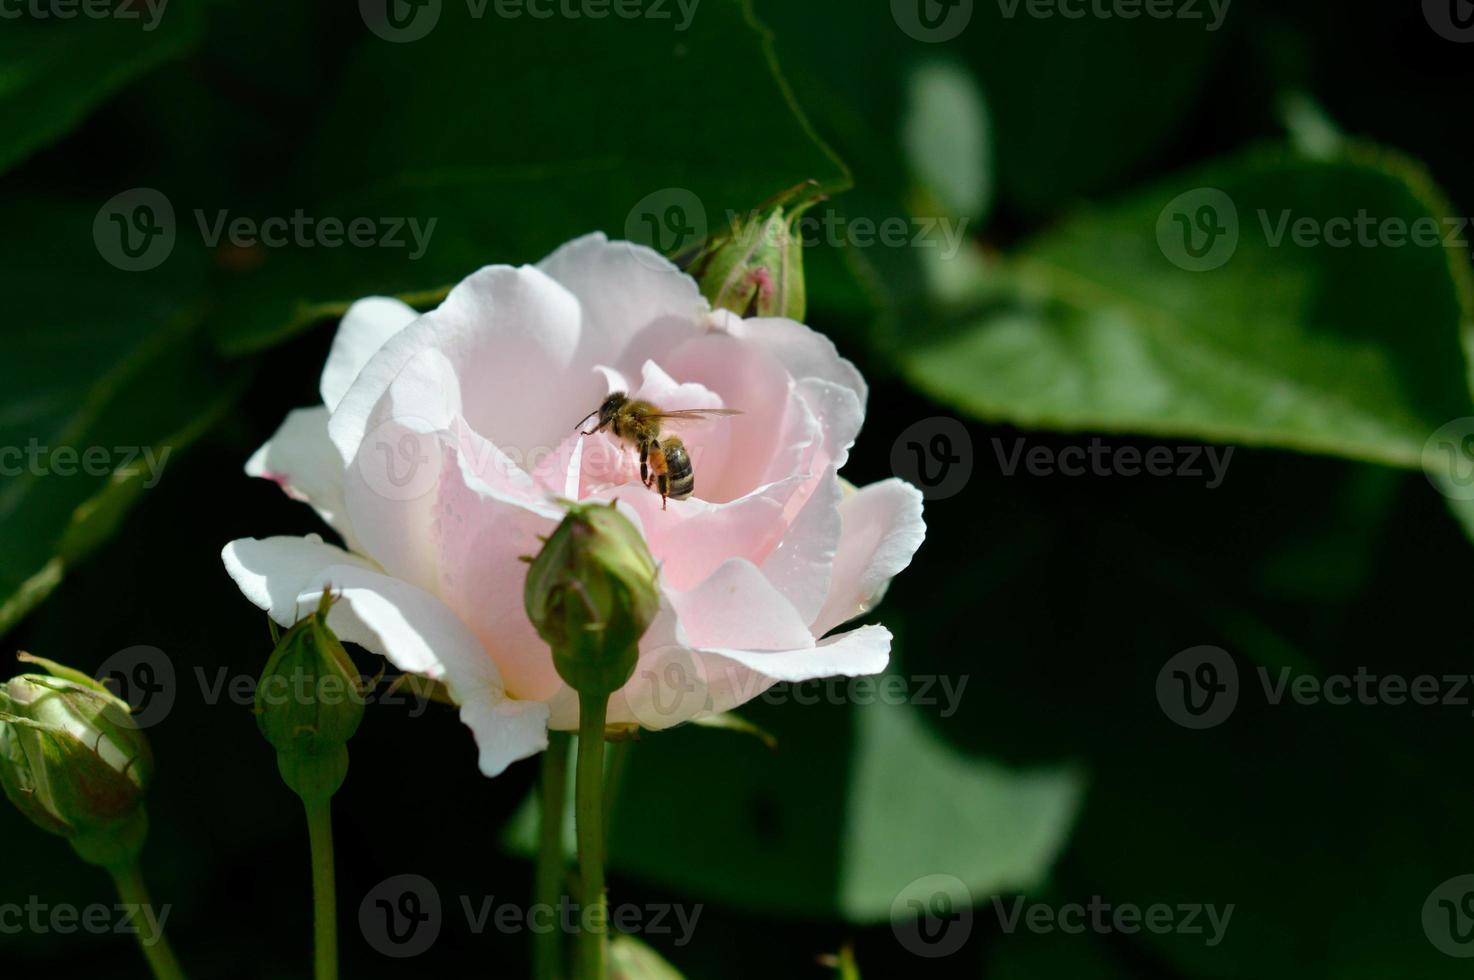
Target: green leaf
point(945, 134)
point(1353, 351)
point(631, 959)
point(916, 805)
point(828, 825)
point(109, 379)
point(731, 722)
point(511, 152)
point(56, 71)
point(856, 804)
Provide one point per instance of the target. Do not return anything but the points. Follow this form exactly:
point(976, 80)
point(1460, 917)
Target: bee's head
point(605, 411)
point(611, 405)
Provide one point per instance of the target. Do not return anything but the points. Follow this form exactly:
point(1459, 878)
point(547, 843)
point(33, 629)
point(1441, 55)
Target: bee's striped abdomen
point(680, 480)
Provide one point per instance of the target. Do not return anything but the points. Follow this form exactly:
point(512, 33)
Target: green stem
point(547, 949)
point(131, 890)
point(614, 767)
point(588, 804)
point(324, 888)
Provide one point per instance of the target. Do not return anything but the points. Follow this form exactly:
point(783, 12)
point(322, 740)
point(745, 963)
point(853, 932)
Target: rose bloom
point(446, 440)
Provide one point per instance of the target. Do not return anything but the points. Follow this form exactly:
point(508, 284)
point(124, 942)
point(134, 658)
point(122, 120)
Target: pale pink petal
point(882, 528)
point(506, 730)
point(747, 379)
point(693, 538)
point(805, 352)
point(481, 533)
point(738, 607)
point(802, 565)
point(365, 328)
point(840, 416)
point(274, 573)
point(508, 335)
point(390, 490)
point(410, 628)
point(636, 303)
point(862, 651)
point(301, 459)
point(418, 633)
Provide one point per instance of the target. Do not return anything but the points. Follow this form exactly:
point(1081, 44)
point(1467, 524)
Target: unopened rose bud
point(756, 266)
point(591, 594)
point(73, 761)
point(309, 702)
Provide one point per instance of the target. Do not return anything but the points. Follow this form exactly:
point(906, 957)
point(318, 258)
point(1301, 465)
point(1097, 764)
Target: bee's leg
point(644, 464)
point(663, 481)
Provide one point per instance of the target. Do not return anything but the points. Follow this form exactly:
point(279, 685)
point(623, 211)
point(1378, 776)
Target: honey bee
point(665, 466)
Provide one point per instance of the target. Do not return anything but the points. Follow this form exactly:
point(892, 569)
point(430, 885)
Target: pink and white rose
point(445, 441)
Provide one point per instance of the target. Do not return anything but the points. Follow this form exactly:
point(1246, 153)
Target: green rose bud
point(591, 595)
point(309, 702)
point(73, 761)
point(756, 266)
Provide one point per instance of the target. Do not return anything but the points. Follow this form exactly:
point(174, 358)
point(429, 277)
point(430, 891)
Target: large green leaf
point(514, 134)
point(53, 71)
point(854, 807)
point(1115, 326)
point(105, 377)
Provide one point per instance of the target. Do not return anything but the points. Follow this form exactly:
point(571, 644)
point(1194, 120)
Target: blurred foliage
point(1051, 146)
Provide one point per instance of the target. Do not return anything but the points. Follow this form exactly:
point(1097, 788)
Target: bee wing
point(687, 415)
